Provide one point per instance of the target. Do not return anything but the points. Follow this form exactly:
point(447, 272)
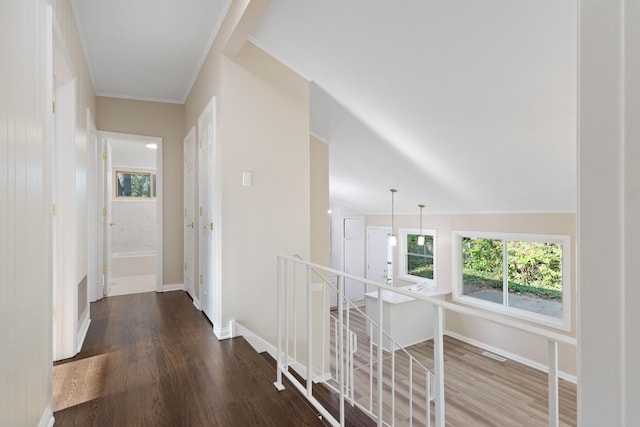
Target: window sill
point(563, 324)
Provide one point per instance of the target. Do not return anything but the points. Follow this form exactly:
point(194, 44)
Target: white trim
point(261, 346)
point(138, 98)
point(278, 58)
point(223, 333)
point(196, 302)
point(82, 331)
point(205, 52)
point(516, 358)
point(402, 263)
point(456, 276)
point(159, 215)
point(158, 199)
point(171, 288)
point(256, 341)
point(81, 33)
point(318, 137)
point(47, 419)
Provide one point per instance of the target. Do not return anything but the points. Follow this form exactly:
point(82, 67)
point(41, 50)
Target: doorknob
point(210, 226)
point(111, 224)
point(190, 225)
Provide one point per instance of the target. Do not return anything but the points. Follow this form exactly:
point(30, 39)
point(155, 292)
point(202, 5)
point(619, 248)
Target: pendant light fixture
point(393, 239)
point(421, 236)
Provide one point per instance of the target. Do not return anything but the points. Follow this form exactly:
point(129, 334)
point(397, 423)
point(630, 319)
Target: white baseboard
point(47, 419)
point(528, 362)
point(223, 333)
point(196, 303)
point(260, 346)
point(84, 328)
point(171, 288)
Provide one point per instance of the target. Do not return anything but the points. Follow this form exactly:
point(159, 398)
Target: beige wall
point(320, 219)
point(506, 339)
point(166, 121)
point(262, 127)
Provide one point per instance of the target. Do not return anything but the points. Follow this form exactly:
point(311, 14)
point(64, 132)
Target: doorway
point(132, 213)
point(379, 256)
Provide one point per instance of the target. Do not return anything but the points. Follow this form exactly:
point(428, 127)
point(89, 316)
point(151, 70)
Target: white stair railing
point(398, 374)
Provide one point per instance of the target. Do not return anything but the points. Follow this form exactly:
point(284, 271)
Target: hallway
point(151, 359)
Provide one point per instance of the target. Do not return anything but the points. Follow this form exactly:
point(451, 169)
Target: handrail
point(345, 352)
point(439, 307)
point(555, 336)
point(324, 279)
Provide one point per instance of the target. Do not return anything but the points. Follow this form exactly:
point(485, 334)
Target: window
point(523, 275)
point(135, 184)
point(417, 262)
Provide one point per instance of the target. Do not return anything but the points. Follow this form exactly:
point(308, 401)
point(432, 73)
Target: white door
point(107, 223)
point(206, 201)
point(379, 263)
point(189, 214)
point(353, 257)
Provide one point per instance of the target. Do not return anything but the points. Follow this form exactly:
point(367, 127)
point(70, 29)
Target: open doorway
point(132, 213)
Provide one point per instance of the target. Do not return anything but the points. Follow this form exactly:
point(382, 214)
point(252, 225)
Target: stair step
point(331, 401)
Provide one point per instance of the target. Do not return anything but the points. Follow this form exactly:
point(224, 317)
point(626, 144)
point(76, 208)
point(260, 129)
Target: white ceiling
point(463, 105)
point(147, 49)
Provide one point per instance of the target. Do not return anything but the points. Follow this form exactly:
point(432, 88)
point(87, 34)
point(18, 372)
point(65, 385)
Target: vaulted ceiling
point(463, 105)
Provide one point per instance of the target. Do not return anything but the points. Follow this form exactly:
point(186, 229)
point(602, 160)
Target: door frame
point(95, 281)
point(191, 187)
point(360, 299)
point(388, 230)
point(64, 197)
point(103, 137)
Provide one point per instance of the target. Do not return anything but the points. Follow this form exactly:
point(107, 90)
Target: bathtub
point(126, 264)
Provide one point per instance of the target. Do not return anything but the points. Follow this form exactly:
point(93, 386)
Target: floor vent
point(494, 356)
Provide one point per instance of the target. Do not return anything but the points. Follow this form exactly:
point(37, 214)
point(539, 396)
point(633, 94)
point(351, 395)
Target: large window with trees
point(523, 275)
point(416, 257)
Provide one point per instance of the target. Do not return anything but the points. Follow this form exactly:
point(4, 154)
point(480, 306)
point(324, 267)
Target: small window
point(524, 275)
point(417, 255)
point(135, 184)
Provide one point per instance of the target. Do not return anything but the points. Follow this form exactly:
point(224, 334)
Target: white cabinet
point(407, 320)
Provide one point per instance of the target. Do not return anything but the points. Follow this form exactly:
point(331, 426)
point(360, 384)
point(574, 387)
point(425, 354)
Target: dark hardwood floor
point(152, 360)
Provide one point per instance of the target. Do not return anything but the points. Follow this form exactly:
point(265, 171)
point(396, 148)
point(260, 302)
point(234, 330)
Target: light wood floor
point(479, 391)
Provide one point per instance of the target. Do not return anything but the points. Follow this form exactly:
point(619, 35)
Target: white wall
point(135, 228)
point(608, 212)
point(25, 216)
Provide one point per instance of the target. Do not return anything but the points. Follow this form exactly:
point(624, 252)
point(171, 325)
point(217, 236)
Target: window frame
point(563, 323)
point(134, 171)
point(402, 255)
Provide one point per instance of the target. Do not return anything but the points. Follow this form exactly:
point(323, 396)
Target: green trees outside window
point(135, 184)
point(532, 267)
point(419, 258)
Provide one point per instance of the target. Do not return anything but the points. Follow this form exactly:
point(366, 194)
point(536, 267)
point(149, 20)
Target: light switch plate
point(246, 179)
